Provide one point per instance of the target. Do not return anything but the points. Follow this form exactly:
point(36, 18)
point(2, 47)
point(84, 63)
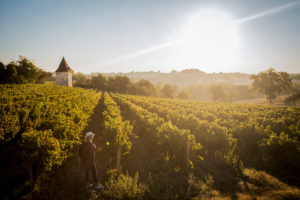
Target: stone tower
point(64, 74)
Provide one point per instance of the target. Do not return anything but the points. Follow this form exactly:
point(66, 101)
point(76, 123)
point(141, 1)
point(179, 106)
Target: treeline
point(269, 84)
point(23, 71)
point(187, 77)
point(122, 84)
point(221, 92)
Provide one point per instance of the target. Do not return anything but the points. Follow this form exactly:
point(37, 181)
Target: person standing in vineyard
point(87, 157)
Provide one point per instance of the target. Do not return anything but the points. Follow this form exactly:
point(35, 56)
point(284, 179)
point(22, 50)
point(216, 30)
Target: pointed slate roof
point(63, 66)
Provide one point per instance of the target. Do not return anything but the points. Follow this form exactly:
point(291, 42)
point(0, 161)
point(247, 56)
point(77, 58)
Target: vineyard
point(147, 148)
point(40, 126)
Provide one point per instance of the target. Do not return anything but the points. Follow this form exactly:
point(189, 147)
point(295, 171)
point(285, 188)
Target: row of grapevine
point(162, 153)
point(216, 139)
point(116, 132)
point(162, 139)
point(40, 126)
point(156, 139)
point(280, 119)
point(259, 135)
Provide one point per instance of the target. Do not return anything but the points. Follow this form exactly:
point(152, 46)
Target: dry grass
point(278, 101)
point(256, 185)
point(262, 186)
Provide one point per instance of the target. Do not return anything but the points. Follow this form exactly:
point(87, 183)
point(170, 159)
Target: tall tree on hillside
point(271, 83)
point(168, 91)
point(217, 92)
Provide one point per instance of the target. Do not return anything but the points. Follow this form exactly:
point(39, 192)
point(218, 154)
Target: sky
point(245, 36)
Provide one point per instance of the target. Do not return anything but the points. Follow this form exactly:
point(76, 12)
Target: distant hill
point(189, 77)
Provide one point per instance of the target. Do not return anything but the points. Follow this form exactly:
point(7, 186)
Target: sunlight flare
point(210, 37)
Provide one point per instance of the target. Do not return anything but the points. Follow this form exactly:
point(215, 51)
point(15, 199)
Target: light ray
point(268, 12)
point(142, 52)
point(167, 44)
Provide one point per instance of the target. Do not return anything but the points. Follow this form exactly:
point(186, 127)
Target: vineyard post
point(188, 146)
point(118, 159)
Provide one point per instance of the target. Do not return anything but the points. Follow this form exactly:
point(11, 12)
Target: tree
point(217, 92)
point(2, 72)
point(45, 76)
point(168, 91)
point(271, 83)
point(11, 74)
point(119, 84)
point(99, 82)
point(183, 95)
point(81, 79)
point(144, 87)
point(293, 100)
point(27, 71)
point(21, 71)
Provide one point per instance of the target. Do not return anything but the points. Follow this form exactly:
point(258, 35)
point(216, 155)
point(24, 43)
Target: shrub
point(124, 187)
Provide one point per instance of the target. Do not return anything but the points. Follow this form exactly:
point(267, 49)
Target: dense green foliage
point(40, 126)
point(125, 187)
point(116, 132)
point(120, 84)
point(160, 149)
point(22, 71)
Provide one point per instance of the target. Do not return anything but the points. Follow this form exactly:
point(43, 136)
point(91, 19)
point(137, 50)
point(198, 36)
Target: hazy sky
point(122, 36)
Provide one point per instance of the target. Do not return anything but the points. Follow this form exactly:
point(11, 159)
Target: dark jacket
point(87, 152)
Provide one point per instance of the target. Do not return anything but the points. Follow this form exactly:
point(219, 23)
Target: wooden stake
point(188, 146)
point(118, 159)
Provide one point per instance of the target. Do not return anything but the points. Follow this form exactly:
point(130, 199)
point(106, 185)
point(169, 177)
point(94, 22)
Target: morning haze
point(124, 36)
point(155, 100)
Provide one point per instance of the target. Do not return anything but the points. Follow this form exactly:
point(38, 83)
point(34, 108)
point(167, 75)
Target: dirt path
point(95, 126)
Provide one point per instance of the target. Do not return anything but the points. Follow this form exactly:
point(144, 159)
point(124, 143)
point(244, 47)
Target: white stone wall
point(64, 78)
point(70, 79)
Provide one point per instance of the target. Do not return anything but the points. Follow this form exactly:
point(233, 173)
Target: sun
point(210, 38)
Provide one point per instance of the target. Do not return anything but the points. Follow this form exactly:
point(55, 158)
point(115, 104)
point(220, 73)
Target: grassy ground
point(278, 101)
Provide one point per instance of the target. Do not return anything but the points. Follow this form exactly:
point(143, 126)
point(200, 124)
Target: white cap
point(89, 134)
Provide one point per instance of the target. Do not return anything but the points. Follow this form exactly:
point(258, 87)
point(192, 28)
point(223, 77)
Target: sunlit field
point(189, 148)
point(155, 100)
